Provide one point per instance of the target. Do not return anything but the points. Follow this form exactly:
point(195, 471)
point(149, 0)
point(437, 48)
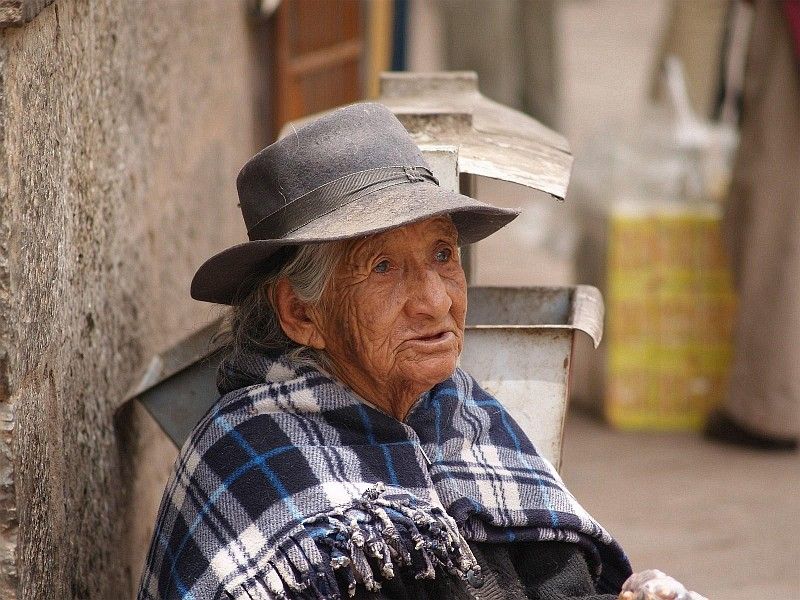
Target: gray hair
point(252, 324)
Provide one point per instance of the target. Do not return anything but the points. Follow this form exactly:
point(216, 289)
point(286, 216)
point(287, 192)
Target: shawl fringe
point(363, 543)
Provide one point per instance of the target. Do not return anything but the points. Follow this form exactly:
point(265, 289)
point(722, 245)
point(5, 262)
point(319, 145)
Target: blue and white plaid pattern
point(292, 487)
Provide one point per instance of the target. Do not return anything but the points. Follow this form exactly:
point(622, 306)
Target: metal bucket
point(518, 346)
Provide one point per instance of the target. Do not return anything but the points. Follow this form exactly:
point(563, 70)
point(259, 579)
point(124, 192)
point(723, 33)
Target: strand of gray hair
point(252, 325)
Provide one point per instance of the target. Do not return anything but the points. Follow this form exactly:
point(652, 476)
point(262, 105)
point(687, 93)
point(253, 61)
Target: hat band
point(335, 194)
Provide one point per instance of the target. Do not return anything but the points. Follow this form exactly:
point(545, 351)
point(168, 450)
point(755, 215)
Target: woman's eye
point(382, 267)
point(444, 255)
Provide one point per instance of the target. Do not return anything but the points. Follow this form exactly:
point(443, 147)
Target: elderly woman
point(348, 455)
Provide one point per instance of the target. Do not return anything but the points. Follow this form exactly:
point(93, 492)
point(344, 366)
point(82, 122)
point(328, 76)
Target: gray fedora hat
point(351, 173)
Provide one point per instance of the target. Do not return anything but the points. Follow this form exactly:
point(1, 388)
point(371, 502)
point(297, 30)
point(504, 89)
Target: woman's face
point(392, 316)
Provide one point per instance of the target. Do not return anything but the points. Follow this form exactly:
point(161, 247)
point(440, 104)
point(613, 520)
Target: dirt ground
point(720, 519)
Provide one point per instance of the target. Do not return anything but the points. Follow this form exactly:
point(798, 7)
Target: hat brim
point(221, 278)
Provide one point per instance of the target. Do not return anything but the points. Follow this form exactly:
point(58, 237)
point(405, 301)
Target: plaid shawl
point(292, 487)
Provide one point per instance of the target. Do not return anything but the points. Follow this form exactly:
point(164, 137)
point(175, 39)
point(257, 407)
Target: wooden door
point(318, 50)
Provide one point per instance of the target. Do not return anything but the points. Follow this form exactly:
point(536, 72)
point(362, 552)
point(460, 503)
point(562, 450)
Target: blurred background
point(124, 125)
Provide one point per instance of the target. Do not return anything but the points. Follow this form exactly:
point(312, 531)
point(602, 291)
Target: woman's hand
point(655, 585)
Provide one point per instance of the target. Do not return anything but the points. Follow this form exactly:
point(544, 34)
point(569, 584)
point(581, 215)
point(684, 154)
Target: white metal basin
point(518, 346)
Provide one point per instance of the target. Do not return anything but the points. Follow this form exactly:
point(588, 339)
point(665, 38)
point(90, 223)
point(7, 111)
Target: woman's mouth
point(440, 337)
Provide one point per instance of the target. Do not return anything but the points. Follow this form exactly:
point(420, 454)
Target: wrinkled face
point(392, 316)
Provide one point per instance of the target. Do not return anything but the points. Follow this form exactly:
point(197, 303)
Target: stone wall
point(122, 127)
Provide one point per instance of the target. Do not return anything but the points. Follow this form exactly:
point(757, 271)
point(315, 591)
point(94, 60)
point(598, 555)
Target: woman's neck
point(394, 400)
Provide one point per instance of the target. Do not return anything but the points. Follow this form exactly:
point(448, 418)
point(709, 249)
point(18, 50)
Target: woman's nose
point(427, 294)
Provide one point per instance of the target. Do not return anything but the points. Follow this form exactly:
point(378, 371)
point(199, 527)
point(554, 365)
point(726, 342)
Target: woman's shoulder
point(281, 398)
point(232, 411)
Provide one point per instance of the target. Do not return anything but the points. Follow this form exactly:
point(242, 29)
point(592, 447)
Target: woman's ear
point(294, 317)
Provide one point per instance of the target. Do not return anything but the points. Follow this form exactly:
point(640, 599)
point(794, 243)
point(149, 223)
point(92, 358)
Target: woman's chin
point(427, 373)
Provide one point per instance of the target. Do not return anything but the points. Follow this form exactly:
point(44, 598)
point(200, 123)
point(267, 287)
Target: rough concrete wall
point(123, 127)
point(19, 12)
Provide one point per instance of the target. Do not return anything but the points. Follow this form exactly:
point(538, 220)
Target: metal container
point(518, 346)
